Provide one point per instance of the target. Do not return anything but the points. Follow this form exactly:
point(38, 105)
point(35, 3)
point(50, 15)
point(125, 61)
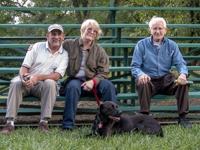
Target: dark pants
point(74, 91)
point(163, 85)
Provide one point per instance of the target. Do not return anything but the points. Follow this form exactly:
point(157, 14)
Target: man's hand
point(32, 80)
point(144, 78)
point(30, 47)
point(181, 79)
point(88, 85)
point(25, 77)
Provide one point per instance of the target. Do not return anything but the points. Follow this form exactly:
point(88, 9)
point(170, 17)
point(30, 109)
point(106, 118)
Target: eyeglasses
point(160, 29)
point(92, 30)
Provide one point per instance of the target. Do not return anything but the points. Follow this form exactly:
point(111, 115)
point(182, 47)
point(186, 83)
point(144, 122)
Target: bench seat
point(115, 81)
point(93, 110)
point(127, 109)
point(119, 97)
point(111, 69)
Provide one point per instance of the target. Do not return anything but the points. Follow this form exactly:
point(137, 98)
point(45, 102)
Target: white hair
point(155, 19)
point(94, 23)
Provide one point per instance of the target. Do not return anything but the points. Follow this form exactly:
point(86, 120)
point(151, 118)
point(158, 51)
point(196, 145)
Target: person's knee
point(17, 84)
point(73, 85)
point(144, 85)
point(106, 84)
point(107, 89)
point(50, 83)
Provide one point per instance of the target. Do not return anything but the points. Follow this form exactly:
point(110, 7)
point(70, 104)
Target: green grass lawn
point(175, 138)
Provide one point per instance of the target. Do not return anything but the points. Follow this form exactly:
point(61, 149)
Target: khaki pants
point(163, 85)
point(45, 90)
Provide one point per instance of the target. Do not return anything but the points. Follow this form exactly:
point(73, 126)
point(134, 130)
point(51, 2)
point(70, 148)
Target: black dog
point(109, 121)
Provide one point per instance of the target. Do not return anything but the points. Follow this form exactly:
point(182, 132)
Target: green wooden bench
point(129, 109)
point(120, 75)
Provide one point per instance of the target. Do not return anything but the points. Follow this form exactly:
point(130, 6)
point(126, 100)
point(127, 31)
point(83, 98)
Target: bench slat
point(105, 45)
point(137, 38)
point(111, 58)
point(97, 8)
point(21, 58)
point(93, 110)
point(101, 25)
point(112, 69)
point(119, 96)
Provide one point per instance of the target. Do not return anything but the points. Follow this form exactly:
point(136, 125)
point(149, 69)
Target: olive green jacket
point(96, 60)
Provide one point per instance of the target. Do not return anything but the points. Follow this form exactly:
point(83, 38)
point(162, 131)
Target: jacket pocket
point(91, 63)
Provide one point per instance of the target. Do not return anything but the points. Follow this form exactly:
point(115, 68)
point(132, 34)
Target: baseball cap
point(55, 26)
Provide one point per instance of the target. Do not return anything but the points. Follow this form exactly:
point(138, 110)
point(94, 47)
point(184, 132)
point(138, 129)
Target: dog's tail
point(160, 132)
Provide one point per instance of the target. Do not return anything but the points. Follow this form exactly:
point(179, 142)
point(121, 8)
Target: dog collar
point(100, 125)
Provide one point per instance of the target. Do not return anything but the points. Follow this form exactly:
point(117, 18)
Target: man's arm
point(53, 76)
point(137, 61)
point(33, 79)
point(23, 72)
point(180, 64)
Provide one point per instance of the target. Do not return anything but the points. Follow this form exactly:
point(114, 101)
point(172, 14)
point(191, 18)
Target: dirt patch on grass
point(56, 119)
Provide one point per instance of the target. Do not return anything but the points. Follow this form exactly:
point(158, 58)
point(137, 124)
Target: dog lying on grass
point(109, 121)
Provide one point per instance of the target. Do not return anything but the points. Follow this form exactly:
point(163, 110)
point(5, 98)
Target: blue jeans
point(74, 91)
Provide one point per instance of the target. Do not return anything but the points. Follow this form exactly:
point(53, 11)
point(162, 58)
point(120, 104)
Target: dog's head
point(108, 111)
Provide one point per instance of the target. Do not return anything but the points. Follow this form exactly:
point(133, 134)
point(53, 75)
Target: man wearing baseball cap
point(44, 64)
point(55, 26)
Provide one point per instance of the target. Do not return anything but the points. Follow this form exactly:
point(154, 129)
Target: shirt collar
point(163, 41)
point(48, 48)
point(81, 44)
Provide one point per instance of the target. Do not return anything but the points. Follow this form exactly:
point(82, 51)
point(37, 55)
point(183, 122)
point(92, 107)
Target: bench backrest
point(118, 46)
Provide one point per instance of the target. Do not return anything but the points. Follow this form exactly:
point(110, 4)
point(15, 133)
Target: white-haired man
point(151, 65)
point(43, 65)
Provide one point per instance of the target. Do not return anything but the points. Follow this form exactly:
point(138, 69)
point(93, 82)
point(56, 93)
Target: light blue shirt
point(147, 59)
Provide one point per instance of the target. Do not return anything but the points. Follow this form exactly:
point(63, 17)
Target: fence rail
point(98, 8)
point(101, 25)
point(105, 45)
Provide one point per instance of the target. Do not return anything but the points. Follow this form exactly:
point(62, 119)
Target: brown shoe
point(43, 127)
point(7, 129)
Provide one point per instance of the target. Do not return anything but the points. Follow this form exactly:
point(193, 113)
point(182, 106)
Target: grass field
point(175, 138)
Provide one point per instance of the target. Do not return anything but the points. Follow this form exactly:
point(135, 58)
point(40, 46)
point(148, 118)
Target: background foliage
point(77, 17)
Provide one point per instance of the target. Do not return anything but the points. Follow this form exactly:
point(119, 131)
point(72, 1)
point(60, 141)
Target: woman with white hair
point(88, 66)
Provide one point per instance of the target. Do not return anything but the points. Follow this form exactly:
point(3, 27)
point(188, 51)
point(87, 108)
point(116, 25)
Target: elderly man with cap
point(42, 67)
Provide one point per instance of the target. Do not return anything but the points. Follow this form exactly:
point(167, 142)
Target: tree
point(103, 17)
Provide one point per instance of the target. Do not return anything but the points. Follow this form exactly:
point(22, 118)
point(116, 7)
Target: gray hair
point(155, 19)
point(94, 23)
